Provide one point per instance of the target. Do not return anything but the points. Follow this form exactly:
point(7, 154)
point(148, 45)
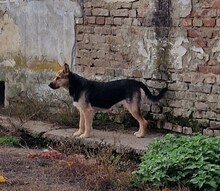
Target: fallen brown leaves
point(52, 154)
point(88, 172)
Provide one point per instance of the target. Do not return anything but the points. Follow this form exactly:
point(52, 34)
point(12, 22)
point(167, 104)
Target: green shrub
point(9, 140)
point(192, 161)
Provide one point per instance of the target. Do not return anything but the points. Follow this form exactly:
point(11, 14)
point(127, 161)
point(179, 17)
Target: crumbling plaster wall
point(36, 37)
point(161, 42)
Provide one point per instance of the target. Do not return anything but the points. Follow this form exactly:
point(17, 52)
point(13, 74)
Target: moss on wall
point(163, 57)
point(20, 61)
point(129, 122)
point(183, 121)
point(44, 64)
point(36, 64)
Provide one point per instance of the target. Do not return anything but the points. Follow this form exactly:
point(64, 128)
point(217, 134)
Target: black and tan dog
point(88, 95)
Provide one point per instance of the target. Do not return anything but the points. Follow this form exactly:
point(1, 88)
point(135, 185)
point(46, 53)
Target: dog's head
point(61, 79)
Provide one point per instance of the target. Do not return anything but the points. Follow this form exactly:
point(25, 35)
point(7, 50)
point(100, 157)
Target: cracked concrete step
point(120, 141)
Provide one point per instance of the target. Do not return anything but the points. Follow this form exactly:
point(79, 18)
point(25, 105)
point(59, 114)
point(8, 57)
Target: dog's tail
point(150, 95)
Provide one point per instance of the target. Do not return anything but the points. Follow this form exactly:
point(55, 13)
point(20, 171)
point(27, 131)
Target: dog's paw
point(84, 135)
point(77, 133)
point(139, 134)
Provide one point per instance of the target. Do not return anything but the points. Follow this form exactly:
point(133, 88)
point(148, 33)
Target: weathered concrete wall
point(35, 38)
point(160, 42)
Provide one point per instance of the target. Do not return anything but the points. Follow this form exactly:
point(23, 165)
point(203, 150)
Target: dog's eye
point(58, 78)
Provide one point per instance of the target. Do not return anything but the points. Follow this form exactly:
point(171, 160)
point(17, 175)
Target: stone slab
point(122, 142)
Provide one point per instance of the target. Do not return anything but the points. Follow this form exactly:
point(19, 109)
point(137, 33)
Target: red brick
point(100, 20)
point(192, 13)
point(209, 69)
point(201, 42)
point(204, 69)
point(216, 4)
point(208, 22)
point(192, 33)
point(215, 33)
point(210, 79)
point(208, 13)
point(187, 22)
point(204, 13)
point(215, 69)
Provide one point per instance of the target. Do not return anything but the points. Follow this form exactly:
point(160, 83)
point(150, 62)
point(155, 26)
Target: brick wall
point(158, 42)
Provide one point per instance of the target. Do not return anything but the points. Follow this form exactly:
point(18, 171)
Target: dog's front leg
point(88, 116)
point(81, 125)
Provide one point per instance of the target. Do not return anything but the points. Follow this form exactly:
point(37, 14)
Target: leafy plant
point(192, 161)
point(9, 140)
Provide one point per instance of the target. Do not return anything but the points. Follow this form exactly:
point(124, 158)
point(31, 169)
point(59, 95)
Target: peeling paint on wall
point(35, 36)
point(46, 28)
point(9, 37)
point(177, 52)
point(181, 8)
point(200, 53)
point(147, 50)
point(216, 49)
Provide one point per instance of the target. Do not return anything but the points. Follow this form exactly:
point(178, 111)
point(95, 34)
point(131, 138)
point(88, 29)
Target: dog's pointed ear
point(66, 68)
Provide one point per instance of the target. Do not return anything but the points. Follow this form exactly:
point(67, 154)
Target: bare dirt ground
point(32, 170)
point(23, 173)
point(37, 170)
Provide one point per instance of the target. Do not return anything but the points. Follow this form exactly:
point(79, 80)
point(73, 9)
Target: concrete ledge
point(122, 142)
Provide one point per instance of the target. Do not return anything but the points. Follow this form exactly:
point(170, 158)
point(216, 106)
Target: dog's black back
point(106, 94)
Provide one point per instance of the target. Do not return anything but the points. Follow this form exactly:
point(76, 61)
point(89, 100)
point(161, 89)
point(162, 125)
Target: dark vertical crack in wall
point(162, 18)
point(162, 22)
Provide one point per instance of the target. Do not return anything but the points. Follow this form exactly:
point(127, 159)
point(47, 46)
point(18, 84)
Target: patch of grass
point(9, 141)
point(192, 161)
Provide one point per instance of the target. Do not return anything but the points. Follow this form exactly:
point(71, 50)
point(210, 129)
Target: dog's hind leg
point(134, 108)
point(88, 116)
point(81, 124)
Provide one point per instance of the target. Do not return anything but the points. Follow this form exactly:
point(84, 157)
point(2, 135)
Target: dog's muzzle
point(52, 85)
